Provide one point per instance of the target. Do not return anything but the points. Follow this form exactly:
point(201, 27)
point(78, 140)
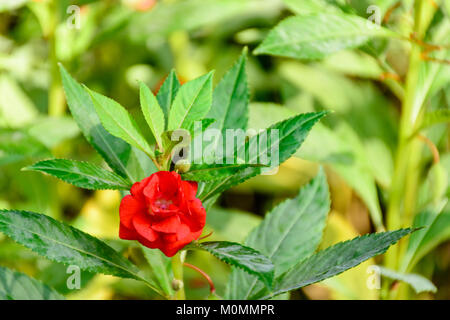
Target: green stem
point(177, 268)
point(402, 198)
point(56, 105)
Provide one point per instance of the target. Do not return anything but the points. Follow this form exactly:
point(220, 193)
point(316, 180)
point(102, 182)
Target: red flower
point(162, 212)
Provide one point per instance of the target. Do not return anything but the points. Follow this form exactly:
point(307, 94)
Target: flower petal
point(129, 207)
point(142, 224)
point(127, 234)
point(167, 225)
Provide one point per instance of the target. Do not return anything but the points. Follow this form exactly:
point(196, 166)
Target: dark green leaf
point(18, 286)
point(291, 134)
point(230, 98)
point(206, 172)
point(64, 244)
point(288, 234)
point(317, 35)
point(245, 258)
point(167, 93)
point(81, 174)
point(334, 260)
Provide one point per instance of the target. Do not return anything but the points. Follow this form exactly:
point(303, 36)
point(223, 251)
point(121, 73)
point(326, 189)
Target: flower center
point(163, 204)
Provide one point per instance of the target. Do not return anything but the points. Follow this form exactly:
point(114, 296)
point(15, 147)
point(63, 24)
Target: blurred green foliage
point(119, 43)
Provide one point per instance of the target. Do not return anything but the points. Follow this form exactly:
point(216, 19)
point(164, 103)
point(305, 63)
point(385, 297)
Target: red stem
point(212, 289)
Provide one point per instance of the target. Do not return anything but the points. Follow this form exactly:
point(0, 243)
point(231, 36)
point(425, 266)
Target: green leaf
point(118, 154)
point(416, 281)
point(291, 134)
point(81, 174)
point(161, 267)
point(303, 7)
point(437, 230)
point(245, 258)
point(206, 172)
point(18, 286)
point(64, 244)
point(230, 98)
point(334, 260)
point(435, 117)
point(315, 36)
point(51, 131)
point(167, 93)
point(192, 102)
point(288, 234)
point(119, 122)
point(152, 113)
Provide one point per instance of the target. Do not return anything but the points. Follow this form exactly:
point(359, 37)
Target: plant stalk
point(178, 284)
point(403, 192)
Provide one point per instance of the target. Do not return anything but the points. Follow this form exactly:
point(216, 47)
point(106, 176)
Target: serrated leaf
point(206, 172)
point(119, 122)
point(230, 98)
point(291, 134)
point(61, 243)
point(229, 105)
point(416, 281)
point(167, 93)
point(118, 154)
point(288, 234)
point(315, 36)
point(18, 286)
point(152, 112)
point(161, 267)
point(245, 258)
point(192, 103)
point(334, 260)
point(81, 174)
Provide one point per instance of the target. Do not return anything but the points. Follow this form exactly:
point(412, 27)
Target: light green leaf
point(81, 174)
point(303, 7)
point(291, 134)
point(152, 113)
point(64, 244)
point(118, 154)
point(416, 281)
point(119, 122)
point(192, 102)
point(167, 93)
point(437, 230)
point(334, 260)
point(435, 117)
point(245, 258)
point(51, 131)
point(16, 108)
point(288, 234)
point(18, 286)
point(161, 267)
point(315, 36)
